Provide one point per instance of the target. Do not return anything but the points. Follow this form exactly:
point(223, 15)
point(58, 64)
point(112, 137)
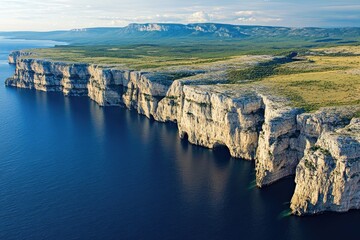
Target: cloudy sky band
point(46, 15)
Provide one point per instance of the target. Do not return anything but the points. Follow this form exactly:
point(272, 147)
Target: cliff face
point(211, 118)
point(328, 176)
point(277, 154)
point(47, 76)
point(249, 122)
point(108, 87)
point(13, 56)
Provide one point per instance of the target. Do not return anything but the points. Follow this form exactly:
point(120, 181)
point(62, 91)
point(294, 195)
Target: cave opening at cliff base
point(220, 149)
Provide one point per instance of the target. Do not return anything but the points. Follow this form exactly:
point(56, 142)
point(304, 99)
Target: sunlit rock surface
point(328, 176)
point(277, 154)
point(322, 148)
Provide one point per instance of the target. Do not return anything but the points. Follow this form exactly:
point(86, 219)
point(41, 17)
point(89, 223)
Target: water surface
point(70, 169)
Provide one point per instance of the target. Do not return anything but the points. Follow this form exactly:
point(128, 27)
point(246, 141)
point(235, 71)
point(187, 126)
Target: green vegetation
point(323, 74)
point(310, 165)
point(357, 114)
point(177, 52)
point(314, 148)
point(251, 37)
point(138, 56)
point(178, 75)
point(322, 81)
point(322, 150)
point(259, 71)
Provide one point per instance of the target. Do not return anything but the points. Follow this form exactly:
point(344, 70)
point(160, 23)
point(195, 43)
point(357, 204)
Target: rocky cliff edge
point(322, 148)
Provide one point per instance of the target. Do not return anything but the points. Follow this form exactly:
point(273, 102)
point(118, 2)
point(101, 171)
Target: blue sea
point(70, 169)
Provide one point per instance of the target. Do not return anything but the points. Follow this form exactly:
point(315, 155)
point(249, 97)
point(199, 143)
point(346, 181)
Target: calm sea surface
point(70, 169)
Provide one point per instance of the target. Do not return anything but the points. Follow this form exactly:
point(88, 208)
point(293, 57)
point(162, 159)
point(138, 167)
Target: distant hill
point(158, 32)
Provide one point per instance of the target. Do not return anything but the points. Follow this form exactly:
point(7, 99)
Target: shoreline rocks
point(328, 176)
point(321, 148)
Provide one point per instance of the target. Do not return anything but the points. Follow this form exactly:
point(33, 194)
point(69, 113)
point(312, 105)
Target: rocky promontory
point(13, 56)
point(328, 175)
point(321, 148)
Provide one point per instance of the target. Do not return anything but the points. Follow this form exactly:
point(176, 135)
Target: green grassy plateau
point(324, 73)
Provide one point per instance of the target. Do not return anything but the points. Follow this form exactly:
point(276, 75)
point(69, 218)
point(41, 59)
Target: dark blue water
point(70, 169)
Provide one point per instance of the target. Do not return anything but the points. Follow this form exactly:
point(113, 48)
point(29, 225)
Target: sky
point(45, 15)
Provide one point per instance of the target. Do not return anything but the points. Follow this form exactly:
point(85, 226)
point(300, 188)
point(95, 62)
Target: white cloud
point(259, 20)
point(247, 19)
point(199, 17)
point(68, 14)
point(257, 17)
point(245, 13)
point(270, 20)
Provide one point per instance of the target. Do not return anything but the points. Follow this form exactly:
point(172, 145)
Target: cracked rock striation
point(321, 148)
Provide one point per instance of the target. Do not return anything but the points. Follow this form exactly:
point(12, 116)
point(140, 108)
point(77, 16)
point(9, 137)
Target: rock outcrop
point(328, 175)
point(108, 87)
point(322, 148)
point(15, 55)
point(277, 154)
point(211, 118)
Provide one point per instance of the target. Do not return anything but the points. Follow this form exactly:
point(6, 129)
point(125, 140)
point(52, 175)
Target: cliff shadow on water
point(251, 123)
point(138, 178)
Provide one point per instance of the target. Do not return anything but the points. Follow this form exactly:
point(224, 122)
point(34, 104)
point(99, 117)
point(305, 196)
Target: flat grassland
point(317, 77)
point(176, 52)
point(320, 81)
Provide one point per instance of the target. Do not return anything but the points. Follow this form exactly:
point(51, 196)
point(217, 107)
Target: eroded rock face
point(42, 75)
point(210, 119)
point(328, 176)
point(170, 107)
point(144, 91)
point(277, 154)
point(108, 87)
point(249, 122)
point(15, 55)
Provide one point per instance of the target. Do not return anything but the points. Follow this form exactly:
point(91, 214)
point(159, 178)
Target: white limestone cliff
point(277, 154)
point(328, 176)
point(14, 55)
point(252, 124)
